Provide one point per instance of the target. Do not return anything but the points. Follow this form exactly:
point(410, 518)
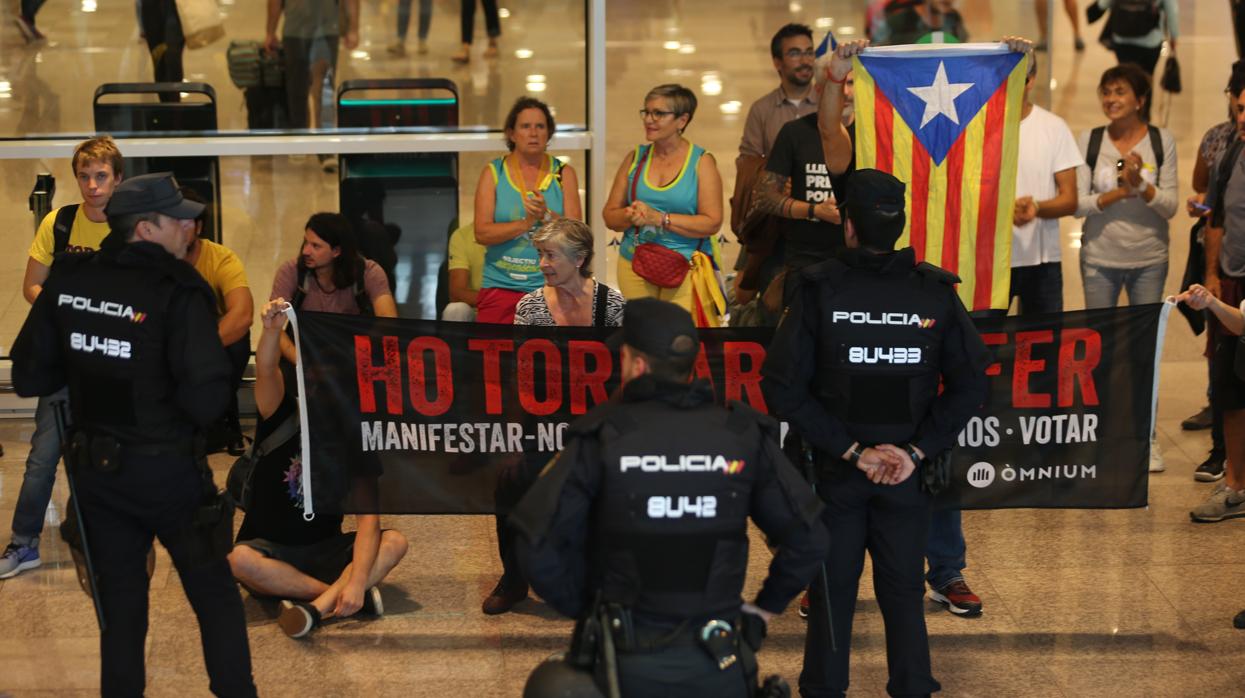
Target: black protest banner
point(1070, 413)
point(423, 417)
point(444, 416)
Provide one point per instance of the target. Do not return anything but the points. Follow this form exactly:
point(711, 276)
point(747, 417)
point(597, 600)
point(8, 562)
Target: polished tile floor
point(1078, 603)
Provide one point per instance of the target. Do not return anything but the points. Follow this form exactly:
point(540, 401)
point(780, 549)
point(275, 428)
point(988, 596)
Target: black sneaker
point(1204, 419)
point(1211, 469)
point(373, 604)
point(298, 618)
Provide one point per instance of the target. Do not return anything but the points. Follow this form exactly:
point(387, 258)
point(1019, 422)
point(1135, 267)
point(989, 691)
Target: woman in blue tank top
point(514, 196)
point(667, 191)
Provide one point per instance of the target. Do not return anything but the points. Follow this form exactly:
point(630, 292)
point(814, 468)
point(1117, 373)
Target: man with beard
point(330, 276)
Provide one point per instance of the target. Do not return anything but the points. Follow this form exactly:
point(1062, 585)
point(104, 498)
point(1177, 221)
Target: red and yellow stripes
point(959, 211)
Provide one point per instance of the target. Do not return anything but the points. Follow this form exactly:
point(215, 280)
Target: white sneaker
point(1156, 457)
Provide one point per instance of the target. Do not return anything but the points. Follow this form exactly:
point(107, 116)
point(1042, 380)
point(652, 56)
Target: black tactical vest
point(671, 525)
point(112, 312)
point(880, 333)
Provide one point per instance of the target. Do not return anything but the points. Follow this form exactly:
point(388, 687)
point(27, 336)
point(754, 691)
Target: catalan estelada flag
point(944, 119)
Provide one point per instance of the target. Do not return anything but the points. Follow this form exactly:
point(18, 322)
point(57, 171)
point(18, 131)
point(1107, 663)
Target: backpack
point(1134, 18)
point(1095, 144)
point(360, 291)
point(239, 484)
point(62, 226)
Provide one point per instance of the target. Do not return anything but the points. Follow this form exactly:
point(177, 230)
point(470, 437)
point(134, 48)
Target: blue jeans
point(1102, 284)
point(945, 550)
point(404, 18)
point(40, 476)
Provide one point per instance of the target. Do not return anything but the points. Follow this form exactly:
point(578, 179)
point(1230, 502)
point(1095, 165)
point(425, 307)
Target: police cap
point(152, 193)
point(874, 190)
point(660, 329)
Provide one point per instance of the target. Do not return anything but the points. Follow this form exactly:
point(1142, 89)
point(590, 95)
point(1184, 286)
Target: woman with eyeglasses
point(666, 200)
point(515, 195)
point(1127, 193)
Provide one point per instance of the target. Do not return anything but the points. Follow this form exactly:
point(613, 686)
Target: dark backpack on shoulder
point(1134, 18)
point(1095, 145)
point(360, 289)
point(62, 226)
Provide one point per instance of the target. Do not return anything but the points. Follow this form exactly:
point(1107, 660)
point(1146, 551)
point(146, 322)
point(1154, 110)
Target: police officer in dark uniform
point(646, 511)
point(131, 330)
point(855, 366)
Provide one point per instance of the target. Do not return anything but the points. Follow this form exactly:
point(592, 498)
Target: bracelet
point(830, 77)
point(1037, 208)
point(665, 221)
point(812, 211)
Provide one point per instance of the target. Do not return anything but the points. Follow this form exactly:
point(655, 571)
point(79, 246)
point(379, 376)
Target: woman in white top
point(1127, 193)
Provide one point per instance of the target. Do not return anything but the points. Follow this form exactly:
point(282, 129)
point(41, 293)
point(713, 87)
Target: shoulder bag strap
point(638, 173)
point(599, 305)
point(1091, 153)
point(283, 433)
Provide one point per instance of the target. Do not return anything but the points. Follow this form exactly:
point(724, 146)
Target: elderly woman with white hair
point(570, 296)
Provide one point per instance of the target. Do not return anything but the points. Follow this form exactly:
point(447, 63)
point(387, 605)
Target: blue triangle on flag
point(970, 81)
point(828, 43)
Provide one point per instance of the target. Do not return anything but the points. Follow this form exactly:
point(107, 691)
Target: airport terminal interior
point(1135, 602)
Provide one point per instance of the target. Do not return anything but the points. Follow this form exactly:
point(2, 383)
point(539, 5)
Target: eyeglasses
point(796, 53)
point(654, 114)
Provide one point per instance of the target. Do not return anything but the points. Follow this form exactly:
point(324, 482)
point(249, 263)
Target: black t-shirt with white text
point(797, 154)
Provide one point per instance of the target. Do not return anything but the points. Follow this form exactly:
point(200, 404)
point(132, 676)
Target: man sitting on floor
point(318, 571)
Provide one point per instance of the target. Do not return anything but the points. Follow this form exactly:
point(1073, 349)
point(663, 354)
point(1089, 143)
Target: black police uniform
point(858, 357)
point(648, 506)
point(132, 331)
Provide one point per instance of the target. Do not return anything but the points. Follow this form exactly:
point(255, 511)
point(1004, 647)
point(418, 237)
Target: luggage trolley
point(413, 196)
point(117, 111)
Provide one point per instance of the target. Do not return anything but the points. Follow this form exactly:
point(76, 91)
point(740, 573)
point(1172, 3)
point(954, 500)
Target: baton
point(810, 471)
point(607, 648)
point(58, 408)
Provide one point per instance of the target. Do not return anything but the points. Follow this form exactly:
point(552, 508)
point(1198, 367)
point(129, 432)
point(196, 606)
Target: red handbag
point(657, 264)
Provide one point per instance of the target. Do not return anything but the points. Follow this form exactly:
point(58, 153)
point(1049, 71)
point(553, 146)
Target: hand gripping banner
point(423, 417)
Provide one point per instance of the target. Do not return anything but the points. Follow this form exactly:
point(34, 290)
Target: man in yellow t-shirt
point(466, 267)
point(235, 307)
point(97, 167)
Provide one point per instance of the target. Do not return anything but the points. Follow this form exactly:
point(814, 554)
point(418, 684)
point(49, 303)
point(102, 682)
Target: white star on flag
point(940, 97)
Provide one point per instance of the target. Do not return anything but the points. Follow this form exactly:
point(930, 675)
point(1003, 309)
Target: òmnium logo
point(981, 475)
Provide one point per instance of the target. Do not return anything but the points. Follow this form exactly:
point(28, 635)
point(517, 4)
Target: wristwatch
point(812, 212)
point(912, 453)
point(854, 454)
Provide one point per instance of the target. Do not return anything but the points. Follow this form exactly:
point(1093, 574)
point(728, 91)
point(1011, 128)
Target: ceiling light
point(824, 22)
point(536, 87)
point(671, 45)
point(503, 13)
point(731, 107)
point(523, 53)
point(687, 49)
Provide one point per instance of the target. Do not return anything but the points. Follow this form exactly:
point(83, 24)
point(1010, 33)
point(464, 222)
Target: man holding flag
point(944, 120)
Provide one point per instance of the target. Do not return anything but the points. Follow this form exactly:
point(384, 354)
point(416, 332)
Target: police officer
point(646, 510)
point(855, 366)
point(132, 331)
